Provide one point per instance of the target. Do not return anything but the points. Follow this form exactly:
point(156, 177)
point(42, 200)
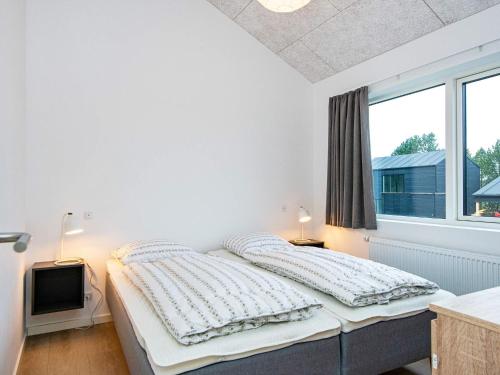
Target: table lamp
point(70, 226)
point(304, 217)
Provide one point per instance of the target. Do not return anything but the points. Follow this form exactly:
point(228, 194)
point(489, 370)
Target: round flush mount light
point(283, 6)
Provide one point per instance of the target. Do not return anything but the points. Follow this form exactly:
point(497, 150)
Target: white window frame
point(460, 131)
point(449, 77)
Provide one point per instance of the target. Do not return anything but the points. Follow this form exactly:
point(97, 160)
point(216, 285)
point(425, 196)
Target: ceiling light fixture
point(284, 6)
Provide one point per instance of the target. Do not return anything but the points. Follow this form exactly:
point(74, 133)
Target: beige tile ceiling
point(328, 36)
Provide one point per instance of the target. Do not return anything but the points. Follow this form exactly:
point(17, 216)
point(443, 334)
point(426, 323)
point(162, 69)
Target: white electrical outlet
point(88, 215)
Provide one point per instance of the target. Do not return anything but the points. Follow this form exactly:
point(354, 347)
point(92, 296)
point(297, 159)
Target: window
point(479, 155)
point(408, 150)
point(417, 149)
point(394, 183)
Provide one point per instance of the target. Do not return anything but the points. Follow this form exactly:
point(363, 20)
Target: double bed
point(338, 339)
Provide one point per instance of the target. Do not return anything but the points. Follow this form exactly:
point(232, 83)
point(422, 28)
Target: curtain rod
point(487, 48)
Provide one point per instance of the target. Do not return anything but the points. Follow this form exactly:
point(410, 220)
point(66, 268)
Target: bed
point(305, 347)
point(377, 338)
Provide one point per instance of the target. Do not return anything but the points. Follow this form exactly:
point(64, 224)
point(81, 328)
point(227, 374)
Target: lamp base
point(69, 261)
point(302, 240)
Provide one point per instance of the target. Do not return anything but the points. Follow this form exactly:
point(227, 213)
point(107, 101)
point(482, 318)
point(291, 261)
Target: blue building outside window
point(415, 184)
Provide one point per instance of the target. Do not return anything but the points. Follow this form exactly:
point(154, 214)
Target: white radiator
point(459, 272)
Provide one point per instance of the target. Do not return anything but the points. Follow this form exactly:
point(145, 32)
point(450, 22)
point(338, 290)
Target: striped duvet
point(198, 297)
point(352, 280)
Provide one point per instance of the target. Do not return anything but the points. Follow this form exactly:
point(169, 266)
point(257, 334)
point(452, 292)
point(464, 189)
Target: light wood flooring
point(97, 351)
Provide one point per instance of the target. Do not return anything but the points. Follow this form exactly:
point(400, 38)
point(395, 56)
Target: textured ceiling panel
point(230, 8)
point(369, 28)
point(328, 36)
point(454, 10)
point(306, 61)
point(342, 4)
point(278, 30)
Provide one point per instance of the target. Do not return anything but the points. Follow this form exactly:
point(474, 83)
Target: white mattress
point(352, 318)
point(167, 356)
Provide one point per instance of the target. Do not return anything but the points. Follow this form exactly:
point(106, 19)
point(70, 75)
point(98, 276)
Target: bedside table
point(56, 287)
point(308, 242)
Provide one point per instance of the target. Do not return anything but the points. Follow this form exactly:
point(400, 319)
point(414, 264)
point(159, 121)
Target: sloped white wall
point(11, 178)
point(165, 119)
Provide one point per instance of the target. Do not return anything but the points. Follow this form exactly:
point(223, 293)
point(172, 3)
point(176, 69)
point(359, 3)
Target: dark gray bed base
point(311, 358)
point(385, 346)
point(371, 350)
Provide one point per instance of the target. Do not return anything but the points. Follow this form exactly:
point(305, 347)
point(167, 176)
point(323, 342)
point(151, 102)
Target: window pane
point(401, 181)
point(481, 174)
point(407, 143)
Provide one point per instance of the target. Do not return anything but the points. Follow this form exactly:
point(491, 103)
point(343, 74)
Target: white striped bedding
point(198, 297)
point(259, 240)
point(148, 250)
point(353, 281)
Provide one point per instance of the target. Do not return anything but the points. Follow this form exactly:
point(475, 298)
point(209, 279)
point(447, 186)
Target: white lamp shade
point(283, 6)
point(72, 225)
point(304, 215)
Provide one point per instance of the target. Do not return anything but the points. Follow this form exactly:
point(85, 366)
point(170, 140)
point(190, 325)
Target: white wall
point(12, 178)
point(165, 119)
point(471, 32)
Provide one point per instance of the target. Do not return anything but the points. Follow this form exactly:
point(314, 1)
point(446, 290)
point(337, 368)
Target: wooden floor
point(97, 351)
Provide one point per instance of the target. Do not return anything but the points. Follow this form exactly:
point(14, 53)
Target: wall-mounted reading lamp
point(20, 240)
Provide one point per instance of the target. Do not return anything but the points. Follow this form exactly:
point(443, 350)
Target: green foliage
point(417, 144)
point(489, 162)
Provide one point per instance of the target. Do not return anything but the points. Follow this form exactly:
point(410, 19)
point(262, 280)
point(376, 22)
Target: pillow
point(262, 241)
point(148, 251)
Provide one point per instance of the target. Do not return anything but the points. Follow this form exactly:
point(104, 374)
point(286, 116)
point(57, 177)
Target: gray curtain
point(349, 197)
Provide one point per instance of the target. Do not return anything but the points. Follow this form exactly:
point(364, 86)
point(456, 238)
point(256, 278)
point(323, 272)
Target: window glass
point(408, 154)
point(481, 130)
point(393, 183)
